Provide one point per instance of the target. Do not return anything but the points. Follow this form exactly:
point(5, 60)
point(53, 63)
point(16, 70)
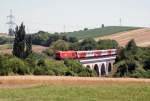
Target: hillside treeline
point(38, 64)
point(133, 61)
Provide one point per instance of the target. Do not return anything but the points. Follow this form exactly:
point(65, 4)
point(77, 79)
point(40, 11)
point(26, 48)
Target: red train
point(85, 54)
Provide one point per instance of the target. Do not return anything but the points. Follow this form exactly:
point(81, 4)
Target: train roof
point(97, 50)
point(85, 51)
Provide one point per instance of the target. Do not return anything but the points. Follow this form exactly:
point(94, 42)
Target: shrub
point(147, 64)
point(14, 66)
point(5, 40)
point(88, 44)
point(72, 39)
point(60, 45)
point(122, 69)
point(107, 44)
point(76, 68)
point(32, 60)
point(140, 73)
point(74, 46)
point(131, 45)
point(49, 52)
point(50, 67)
point(40, 38)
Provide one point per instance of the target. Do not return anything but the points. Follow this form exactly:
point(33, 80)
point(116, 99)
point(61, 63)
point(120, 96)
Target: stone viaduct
point(102, 65)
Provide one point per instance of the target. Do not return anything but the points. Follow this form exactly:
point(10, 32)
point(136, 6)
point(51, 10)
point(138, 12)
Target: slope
point(92, 33)
point(141, 37)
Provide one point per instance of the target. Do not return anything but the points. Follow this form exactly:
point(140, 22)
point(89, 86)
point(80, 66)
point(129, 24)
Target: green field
point(100, 31)
point(112, 92)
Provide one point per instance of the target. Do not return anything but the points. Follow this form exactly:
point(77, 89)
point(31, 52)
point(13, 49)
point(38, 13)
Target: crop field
point(74, 89)
point(141, 37)
point(7, 48)
point(97, 32)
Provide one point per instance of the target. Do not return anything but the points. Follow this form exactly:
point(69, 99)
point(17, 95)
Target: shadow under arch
point(103, 72)
point(96, 69)
point(109, 67)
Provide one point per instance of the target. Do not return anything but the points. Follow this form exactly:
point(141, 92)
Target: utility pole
point(64, 28)
point(120, 22)
point(11, 24)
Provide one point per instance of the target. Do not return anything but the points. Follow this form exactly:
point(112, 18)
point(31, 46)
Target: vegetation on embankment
point(133, 61)
point(36, 64)
point(102, 92)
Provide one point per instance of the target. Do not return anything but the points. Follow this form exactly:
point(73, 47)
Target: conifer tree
point(22, 47)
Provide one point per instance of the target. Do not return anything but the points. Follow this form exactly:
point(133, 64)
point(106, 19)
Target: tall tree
point(131, 45)
point(28, 45)
point(22, 47)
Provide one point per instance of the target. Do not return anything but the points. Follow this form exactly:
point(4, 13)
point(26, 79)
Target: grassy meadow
point(106, 92)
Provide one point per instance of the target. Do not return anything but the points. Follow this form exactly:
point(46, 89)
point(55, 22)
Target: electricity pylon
point(11, 24)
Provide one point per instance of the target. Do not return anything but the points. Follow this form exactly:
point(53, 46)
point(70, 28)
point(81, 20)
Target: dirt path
point(28, 81)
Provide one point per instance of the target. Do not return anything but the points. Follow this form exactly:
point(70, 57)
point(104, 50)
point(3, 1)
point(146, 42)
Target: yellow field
point(141, 36)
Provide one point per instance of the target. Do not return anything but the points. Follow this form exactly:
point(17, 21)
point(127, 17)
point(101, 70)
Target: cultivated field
point(141, 36)
point(47, 88)
point(97, 32)
point(7, 48)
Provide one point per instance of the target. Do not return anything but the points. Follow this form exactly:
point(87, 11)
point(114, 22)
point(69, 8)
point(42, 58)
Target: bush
point(50, 67)
point(32, 60)
point(74, 46)
point(107, 44)
point(40, 38)
point(131, 45)
point(5, 40)
point(49, 52)
point(87, 72)
point(139, 73)
point(72, 39)
point(76, 68)
point(147, 64)
point(88, 44)
point(60, 45)
point(14, 66)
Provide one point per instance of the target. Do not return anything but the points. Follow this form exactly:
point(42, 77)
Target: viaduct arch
point(102, 66)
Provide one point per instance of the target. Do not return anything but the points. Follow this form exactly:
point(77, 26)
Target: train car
point(85, 54)
point(108, 52)
point(96, 53)
point(81, 54)
point(65, 54)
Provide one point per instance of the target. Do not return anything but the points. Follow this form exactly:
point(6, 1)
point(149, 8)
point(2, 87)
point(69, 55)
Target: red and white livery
point(85, 54)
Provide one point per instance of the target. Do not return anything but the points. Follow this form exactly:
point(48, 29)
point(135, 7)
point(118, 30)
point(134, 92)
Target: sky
point(71, 15)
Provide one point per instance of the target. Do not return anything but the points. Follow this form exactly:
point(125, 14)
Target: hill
point(99, 31)
point(141, 37)
point(3, 34)
point(7, 48)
